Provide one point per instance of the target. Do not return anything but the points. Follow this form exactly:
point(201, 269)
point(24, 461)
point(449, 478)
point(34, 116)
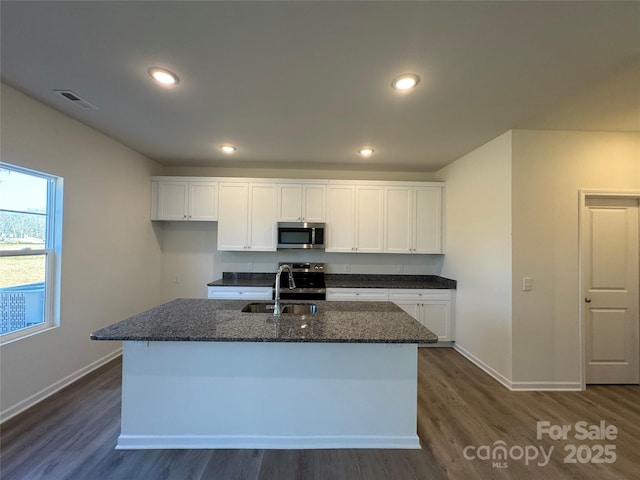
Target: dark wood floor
point(72, 436)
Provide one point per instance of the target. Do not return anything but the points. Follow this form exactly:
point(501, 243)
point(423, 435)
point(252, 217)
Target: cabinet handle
point(587, 299)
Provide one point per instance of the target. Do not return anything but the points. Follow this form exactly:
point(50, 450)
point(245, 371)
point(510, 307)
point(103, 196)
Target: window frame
point(52, 253)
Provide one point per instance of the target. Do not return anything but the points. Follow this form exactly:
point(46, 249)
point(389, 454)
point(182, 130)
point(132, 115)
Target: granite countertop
point(340, 280)
point(222, 321)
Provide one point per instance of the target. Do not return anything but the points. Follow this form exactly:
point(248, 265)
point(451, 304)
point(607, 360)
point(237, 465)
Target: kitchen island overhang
point(201, 374)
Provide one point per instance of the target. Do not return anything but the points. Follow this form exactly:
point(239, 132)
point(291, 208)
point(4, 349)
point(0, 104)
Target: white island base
point(270, 395)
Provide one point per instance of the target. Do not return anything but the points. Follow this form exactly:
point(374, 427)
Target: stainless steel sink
point(290, 308)
point(300, 308)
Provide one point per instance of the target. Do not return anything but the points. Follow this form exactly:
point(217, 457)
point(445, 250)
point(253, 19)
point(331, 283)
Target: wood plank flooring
point(72, 436)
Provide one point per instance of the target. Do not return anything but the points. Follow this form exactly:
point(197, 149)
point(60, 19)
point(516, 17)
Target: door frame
point(582, 225)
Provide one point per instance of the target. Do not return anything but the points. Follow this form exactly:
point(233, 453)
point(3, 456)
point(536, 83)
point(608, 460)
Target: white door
point(203, 201)
point(289, 202)
point(611, 283)
point(263, 213)
point(172, 200)
point(369, 219)
point(313, 201)
point(398, 220)
point(340, 235)
point(428, 220)
point(233, 216)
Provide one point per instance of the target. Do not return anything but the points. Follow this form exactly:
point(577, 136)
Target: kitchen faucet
point(292, 285)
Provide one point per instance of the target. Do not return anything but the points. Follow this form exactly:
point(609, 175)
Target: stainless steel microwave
point(301, 235)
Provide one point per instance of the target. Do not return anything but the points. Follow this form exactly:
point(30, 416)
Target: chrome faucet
point(292, 285)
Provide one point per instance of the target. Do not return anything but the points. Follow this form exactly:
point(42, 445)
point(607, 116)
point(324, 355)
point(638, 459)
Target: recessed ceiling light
point(163, 76)
point(227, 148)
point(366, 151)
point(405, 81)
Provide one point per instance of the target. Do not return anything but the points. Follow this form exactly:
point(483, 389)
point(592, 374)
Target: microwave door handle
point(313, 237)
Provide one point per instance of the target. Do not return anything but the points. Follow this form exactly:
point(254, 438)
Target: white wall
point(190, 260)
point(478, 233)
point(549, 168)
point(360, 174)
point(111, 255)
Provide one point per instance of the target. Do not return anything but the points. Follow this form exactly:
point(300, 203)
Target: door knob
point(587, 299)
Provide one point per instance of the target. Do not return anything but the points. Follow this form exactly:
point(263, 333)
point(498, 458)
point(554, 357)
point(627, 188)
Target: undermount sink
point(290, 308)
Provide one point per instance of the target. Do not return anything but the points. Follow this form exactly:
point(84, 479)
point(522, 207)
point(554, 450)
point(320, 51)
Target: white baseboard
point(151, 442)
point(518, 386)
point(540, 386)
point(30, 401)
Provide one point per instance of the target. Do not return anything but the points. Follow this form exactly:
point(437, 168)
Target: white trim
point(517, 386)
point(583, 194)
point(149, 442)
point(483, 366)
point(30, 401)
point(547, 386)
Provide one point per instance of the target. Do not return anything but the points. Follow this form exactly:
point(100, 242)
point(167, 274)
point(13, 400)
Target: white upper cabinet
point(263, 222)
point(340, 229)
point(185, 200)
point(369, 219)
point(428, 220)
point(247, 217)
point(301, 202)
point(355, 222)
point(360, 216)
point(413, 219)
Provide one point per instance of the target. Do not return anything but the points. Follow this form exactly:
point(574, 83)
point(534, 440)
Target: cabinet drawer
point(357, 294)
point(413, 295)
point(240, 293)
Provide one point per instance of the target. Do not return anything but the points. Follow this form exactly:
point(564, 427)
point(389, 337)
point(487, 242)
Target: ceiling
point(306, 84)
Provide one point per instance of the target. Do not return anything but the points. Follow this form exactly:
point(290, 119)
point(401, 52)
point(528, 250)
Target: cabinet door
point(428, 220)
point(340, 234)
point(398, 220)
point(313, 203)
point(369, 219)
point(412, 308)
point(433, 308)
point(289, 202)
point(263, 217)
point(203, 201)
point(233, 216)
point(436, 316)
point(172, 200)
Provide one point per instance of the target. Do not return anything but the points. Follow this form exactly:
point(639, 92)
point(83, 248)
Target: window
point(30, 246)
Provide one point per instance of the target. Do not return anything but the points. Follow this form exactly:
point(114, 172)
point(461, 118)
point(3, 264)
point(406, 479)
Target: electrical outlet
point(250, 267)
point(175, 279)
point(527, 284)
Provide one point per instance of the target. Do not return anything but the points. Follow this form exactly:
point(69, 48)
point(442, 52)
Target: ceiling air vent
point(76, 99)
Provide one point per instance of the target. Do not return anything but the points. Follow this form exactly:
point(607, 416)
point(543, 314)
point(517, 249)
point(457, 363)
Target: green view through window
point(29, 251)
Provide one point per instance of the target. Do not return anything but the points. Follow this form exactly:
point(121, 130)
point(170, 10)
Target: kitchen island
point(203, 374)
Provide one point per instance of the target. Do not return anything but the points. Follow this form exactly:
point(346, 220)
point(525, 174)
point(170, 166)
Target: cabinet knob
point(587, 299)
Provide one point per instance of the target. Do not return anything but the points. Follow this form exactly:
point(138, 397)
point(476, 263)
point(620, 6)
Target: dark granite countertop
point(222, 321)
point(346, 280)
point(341, 280)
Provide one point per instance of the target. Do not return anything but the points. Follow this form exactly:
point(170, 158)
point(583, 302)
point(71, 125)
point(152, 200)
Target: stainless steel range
point(309, 278)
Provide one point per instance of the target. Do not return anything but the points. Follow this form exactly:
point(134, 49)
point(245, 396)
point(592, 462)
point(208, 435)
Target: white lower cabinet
point(240, 293)
point(433, 308)
point(357, 294)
